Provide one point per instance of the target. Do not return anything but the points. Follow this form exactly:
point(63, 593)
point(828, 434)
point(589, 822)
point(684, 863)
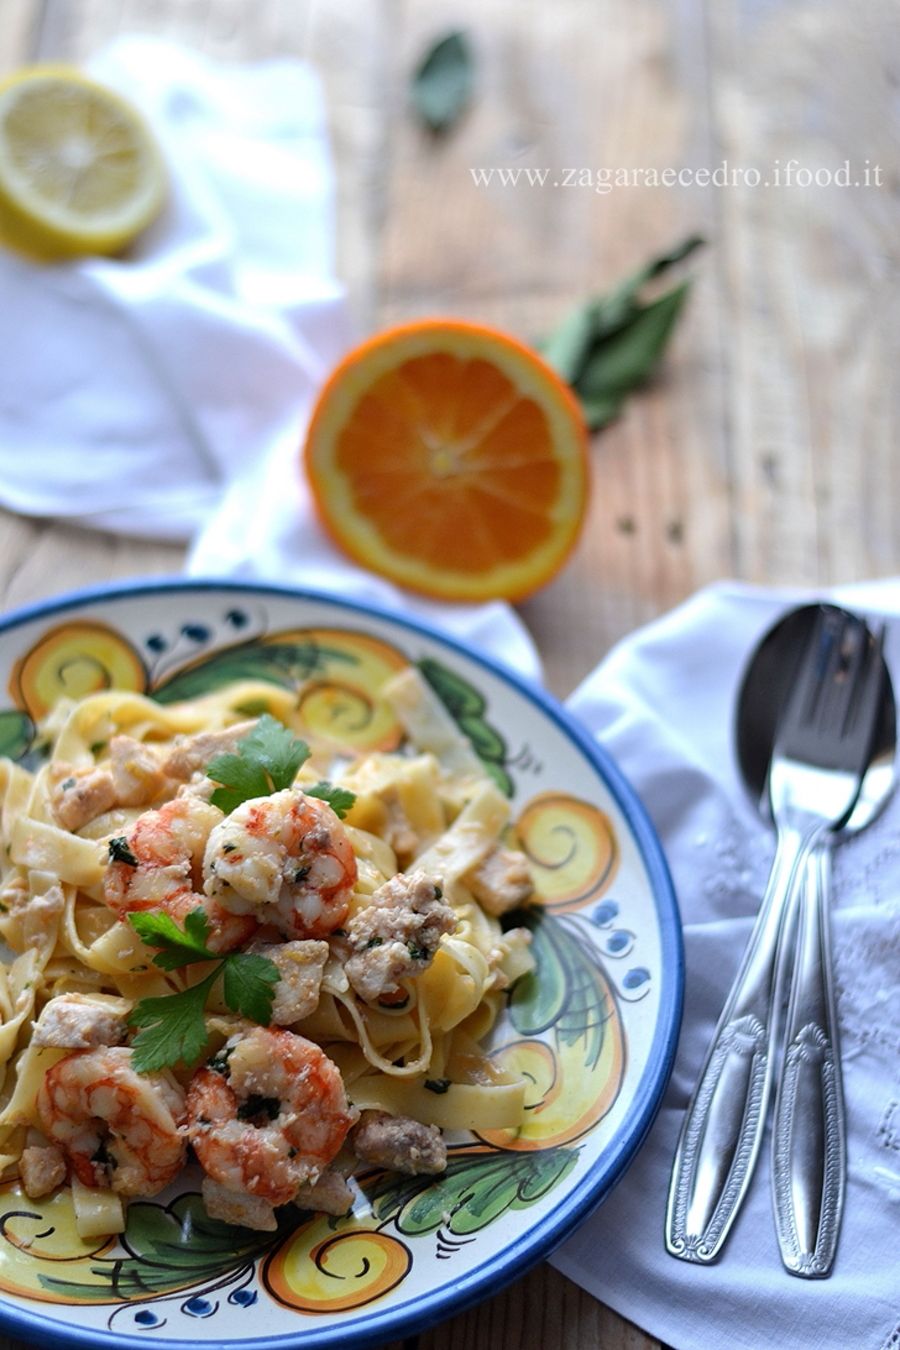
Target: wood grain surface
point(765, 449)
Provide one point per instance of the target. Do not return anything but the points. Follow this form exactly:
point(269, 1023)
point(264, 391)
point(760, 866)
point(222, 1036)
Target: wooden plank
point(228, 30)
point(36, 559)
point(338, 40)
point(344, 40)
point(18, 22)
point(351, 56)
point(42, 558)
point(811, 288)
point(349, 44)
point(543, 1311)
point(552, 94)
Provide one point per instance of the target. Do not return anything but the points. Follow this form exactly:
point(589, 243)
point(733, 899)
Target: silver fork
point(809, 1130)
point(822, 748)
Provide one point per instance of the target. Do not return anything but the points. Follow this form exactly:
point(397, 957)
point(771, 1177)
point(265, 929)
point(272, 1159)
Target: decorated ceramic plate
point(592, 1029)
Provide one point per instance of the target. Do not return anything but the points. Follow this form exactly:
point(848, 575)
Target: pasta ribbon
point(413, 1051)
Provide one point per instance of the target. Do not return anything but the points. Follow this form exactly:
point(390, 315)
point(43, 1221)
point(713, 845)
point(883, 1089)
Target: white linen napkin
point(132, 390)
point(662, 704)
point(165, 394)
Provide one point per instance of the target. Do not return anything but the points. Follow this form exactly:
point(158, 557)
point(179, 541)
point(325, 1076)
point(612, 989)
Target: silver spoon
point(809, 1135)
point(823, 745)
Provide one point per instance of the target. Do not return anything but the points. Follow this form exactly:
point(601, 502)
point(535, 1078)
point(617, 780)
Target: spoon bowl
point(768, 679)
point(822, 736)
point(809, 1131)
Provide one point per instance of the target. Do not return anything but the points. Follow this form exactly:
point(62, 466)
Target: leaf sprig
point(339, 799)
point(172, 1027)
point(266, 760)
point(609, 346)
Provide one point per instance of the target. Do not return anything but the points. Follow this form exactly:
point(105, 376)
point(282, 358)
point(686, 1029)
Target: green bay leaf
point(598, 411)
point(611, 344)
point(627, 358)
point(443, 81)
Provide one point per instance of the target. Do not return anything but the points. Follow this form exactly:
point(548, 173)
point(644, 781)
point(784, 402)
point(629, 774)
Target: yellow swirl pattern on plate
point(73, 660)
point(320, 1271)
point(572, 848)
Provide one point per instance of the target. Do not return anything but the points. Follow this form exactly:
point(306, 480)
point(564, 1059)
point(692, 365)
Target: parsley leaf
point(265, 761)
point(248, 986)
point(173, 1027)
point(339, 799)
point(240, 781)
point(257, 1105)
point(119, 851)
point(180, 947)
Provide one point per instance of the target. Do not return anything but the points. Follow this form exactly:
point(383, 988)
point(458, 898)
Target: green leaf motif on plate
point(283, 663)
point(487, 743)
point(16, 733)
point(467, 708)
point(169, 1249)
point(473, 1192)
point(567, 990)
point(460, 698)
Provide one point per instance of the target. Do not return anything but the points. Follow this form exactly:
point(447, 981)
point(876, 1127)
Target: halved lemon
point(450, 458)
point(80, 172)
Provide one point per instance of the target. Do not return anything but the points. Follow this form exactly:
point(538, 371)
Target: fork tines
point(831, 717)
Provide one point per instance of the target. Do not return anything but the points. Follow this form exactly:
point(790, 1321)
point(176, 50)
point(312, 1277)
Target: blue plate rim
point(535, 1245)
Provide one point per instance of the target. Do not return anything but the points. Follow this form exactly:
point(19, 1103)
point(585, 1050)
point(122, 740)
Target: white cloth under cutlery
point(662, 703)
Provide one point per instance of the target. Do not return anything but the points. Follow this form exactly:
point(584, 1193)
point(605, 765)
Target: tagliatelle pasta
point(379, 936)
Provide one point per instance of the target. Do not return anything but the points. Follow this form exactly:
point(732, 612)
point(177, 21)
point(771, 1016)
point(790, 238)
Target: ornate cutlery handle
point(723, 1125)
point(809, 1140)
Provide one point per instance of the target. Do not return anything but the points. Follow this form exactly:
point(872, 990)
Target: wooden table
point(766, 448)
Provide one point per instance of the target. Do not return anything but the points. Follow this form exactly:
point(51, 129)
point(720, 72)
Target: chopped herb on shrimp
point(173, 1029)
point(264, 761)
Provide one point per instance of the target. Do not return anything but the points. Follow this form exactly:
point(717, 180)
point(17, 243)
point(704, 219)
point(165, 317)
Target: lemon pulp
point(79, 170)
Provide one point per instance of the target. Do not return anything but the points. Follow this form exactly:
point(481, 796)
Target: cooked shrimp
point(268, 1114)
point(116, 1127)
point(285, 859)
point(167, 847)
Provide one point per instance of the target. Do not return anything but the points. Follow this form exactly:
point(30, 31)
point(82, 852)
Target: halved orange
point(450, 458)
